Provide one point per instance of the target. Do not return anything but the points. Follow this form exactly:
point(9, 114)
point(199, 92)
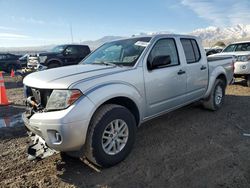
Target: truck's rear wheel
point(111, 135)
point(216, 98)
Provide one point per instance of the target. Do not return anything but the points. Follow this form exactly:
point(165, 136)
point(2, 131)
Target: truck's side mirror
point(159, 61)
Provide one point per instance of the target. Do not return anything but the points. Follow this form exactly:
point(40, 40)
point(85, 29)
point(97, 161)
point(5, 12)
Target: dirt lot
point(190, 147)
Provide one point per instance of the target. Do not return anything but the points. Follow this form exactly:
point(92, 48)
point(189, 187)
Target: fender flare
point(213, 76)
point(122, 89)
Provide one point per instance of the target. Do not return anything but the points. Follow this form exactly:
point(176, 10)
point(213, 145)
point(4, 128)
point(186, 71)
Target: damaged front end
point(36, 100)
point(39, 149)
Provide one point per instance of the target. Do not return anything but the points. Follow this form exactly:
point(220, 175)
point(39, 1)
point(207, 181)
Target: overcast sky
point(42, 22)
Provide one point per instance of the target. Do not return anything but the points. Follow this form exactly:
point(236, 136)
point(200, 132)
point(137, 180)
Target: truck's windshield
point(58, 49)
point(237, 47)
point(123, 52)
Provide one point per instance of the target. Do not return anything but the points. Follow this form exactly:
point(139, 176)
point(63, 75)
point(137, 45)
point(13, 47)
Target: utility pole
point(71, 33)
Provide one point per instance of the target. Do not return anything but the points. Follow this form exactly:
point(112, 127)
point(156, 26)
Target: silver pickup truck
point(93, 109)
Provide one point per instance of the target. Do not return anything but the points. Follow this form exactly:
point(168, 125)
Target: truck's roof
point(240, 42)
point(73, 45)
point(162, 35)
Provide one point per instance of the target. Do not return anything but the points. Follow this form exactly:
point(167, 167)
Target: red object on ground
point(12, 74)
point(3, 96)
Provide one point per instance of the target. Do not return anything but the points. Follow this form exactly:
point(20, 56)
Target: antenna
point(71, 33)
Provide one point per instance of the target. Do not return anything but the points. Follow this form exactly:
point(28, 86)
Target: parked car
point(241, 50)
point(61, 55)
point(94, 108)
point(8, 62)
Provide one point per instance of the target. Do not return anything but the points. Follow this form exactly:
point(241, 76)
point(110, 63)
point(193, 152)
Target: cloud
point(31, 20)
point(12, 36)
point(221, 13)
point(8, 28)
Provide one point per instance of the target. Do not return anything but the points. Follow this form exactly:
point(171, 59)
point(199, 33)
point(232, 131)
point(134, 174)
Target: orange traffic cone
point(12, 74)
point(3, 96)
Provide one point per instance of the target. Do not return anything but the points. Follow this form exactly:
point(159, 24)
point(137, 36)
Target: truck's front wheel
point(216, 98)
point(111, 135)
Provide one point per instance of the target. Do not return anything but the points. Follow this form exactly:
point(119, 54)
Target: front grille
point(41, 95)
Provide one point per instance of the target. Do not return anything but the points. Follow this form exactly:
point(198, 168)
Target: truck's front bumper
point(63, 130)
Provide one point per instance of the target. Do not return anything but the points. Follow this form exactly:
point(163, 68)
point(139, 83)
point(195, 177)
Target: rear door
point(165, 87)
point(196, 68)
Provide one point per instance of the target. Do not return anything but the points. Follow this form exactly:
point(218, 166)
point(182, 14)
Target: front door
point(165, 87)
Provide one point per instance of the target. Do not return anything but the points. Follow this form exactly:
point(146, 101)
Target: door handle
point(203, 67)
point(181, 72)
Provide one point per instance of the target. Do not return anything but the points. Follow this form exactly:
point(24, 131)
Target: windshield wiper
point(106, 63)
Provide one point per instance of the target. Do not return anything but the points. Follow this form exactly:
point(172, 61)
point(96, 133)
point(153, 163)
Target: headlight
point(243, 58)
point(42, 59)
point(61, 99)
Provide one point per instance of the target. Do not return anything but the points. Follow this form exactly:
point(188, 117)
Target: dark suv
point(8, 62)
point(61, 55)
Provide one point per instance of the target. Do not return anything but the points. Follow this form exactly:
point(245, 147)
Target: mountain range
point(226, 34)
point(209, 36)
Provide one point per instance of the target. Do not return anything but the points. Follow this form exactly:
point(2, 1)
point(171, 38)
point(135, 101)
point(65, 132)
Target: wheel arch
point(218, 73)
point(54, 60)
point(127, 103)
point(124, 95)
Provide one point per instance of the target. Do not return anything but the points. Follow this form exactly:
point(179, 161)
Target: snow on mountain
point(234, 33)
point(209, 36)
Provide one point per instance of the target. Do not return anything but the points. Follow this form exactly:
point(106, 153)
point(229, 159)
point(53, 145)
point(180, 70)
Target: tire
point(95, 148)
point(53, 65)
point(248, 80)
point(213, 103)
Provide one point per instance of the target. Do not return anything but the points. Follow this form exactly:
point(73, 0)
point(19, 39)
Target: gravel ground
point(190, 147)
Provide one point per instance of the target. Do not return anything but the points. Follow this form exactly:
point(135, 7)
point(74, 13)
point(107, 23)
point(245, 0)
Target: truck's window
point(243, 47)
point(191, 50)
point(237, 47)
point(165, 47)
point(72, 50)
point(230, 48)
point(58, 49)
point(122, 52)
point(85, 50)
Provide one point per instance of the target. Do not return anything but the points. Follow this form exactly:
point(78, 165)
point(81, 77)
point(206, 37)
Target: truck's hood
point(235, 53)
point(63, 77)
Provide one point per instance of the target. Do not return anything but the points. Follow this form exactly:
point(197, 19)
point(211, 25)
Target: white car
point(241, 50)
